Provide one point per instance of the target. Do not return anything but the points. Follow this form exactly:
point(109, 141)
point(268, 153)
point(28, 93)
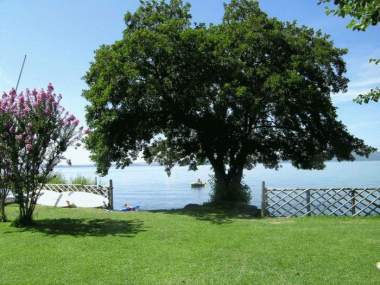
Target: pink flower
point(13, 93)
point(21, 110)
point(75, 122)
point(86, 131)
point(22, 100)
point(43, 95)
point(47, 110)
point(50, 88)
point(49, 98)
point(39, 98)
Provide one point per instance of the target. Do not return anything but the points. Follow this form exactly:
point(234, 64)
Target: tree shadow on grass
point(86, 227)
point(213, 214)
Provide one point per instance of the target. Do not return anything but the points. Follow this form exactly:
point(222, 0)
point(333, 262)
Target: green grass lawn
point(87, 246)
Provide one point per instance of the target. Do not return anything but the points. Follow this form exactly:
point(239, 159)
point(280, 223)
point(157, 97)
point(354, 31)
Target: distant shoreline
point(359, 159)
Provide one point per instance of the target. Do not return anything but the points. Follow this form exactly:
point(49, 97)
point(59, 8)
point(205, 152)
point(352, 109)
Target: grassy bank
point(86, 246)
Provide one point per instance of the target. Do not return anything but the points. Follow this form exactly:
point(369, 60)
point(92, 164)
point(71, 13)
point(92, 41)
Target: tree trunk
point(26, 215)
point(26, 218)
point(3, 217)
point(228, 188)
point(26, 211)
point(26, 208)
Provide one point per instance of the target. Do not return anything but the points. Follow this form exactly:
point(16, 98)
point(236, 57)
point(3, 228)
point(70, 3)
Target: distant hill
point(373, 156)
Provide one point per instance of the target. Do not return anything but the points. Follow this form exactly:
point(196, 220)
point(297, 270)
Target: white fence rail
point(105, 191)
point(329, 202)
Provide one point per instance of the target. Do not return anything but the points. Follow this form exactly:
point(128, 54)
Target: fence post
point(263, 199)
point(110, 195)
point(308, 206)
point(353, 203)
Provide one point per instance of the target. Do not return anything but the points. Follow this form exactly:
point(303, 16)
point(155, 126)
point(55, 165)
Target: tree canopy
point(364, 13)
point(249, 90)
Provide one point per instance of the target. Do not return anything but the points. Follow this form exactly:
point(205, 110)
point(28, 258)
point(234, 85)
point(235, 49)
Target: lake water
point(150, 187)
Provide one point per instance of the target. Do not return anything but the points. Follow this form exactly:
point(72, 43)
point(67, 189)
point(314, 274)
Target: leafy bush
point(82, 180)
point(56, 178)
point(229, 194)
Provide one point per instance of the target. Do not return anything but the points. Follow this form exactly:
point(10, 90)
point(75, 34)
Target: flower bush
point(4, 182)
point(5, 165)
point(35, 131)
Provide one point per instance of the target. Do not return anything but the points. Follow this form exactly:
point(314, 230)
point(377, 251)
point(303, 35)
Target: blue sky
point(59, 38)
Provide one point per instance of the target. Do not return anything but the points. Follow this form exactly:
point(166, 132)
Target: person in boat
point(128, 208)
point(198, 183)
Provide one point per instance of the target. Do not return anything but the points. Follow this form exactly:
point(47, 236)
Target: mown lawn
point(87, 246)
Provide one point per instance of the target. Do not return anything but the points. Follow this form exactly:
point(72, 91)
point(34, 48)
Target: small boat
point(130, 209)
point(198, 184)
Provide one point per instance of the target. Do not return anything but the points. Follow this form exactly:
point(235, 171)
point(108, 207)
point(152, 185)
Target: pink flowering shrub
point(4, 181)
point(36, 131)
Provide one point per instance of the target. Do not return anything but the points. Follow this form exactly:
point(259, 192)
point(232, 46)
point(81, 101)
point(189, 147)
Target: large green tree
point(249, 90)
point(363, 13)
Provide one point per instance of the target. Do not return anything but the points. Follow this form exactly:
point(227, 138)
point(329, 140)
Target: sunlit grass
point(93, 246)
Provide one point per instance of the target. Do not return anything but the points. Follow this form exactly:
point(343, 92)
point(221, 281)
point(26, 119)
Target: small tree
point(37, 134)
point(4, 186)
point(5, 165)
point(249, 90)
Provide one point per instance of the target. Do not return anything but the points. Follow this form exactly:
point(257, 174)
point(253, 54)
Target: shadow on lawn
point(214, 215)
point(86, 227)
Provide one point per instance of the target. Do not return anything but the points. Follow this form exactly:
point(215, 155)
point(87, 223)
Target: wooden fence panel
point(314, 202)
point(106, 192)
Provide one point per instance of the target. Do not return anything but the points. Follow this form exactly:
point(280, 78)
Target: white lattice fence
point(308, 202)
point(104, 191)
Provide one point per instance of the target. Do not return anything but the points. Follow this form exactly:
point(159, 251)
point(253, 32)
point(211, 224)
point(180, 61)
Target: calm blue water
point(149, 186)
